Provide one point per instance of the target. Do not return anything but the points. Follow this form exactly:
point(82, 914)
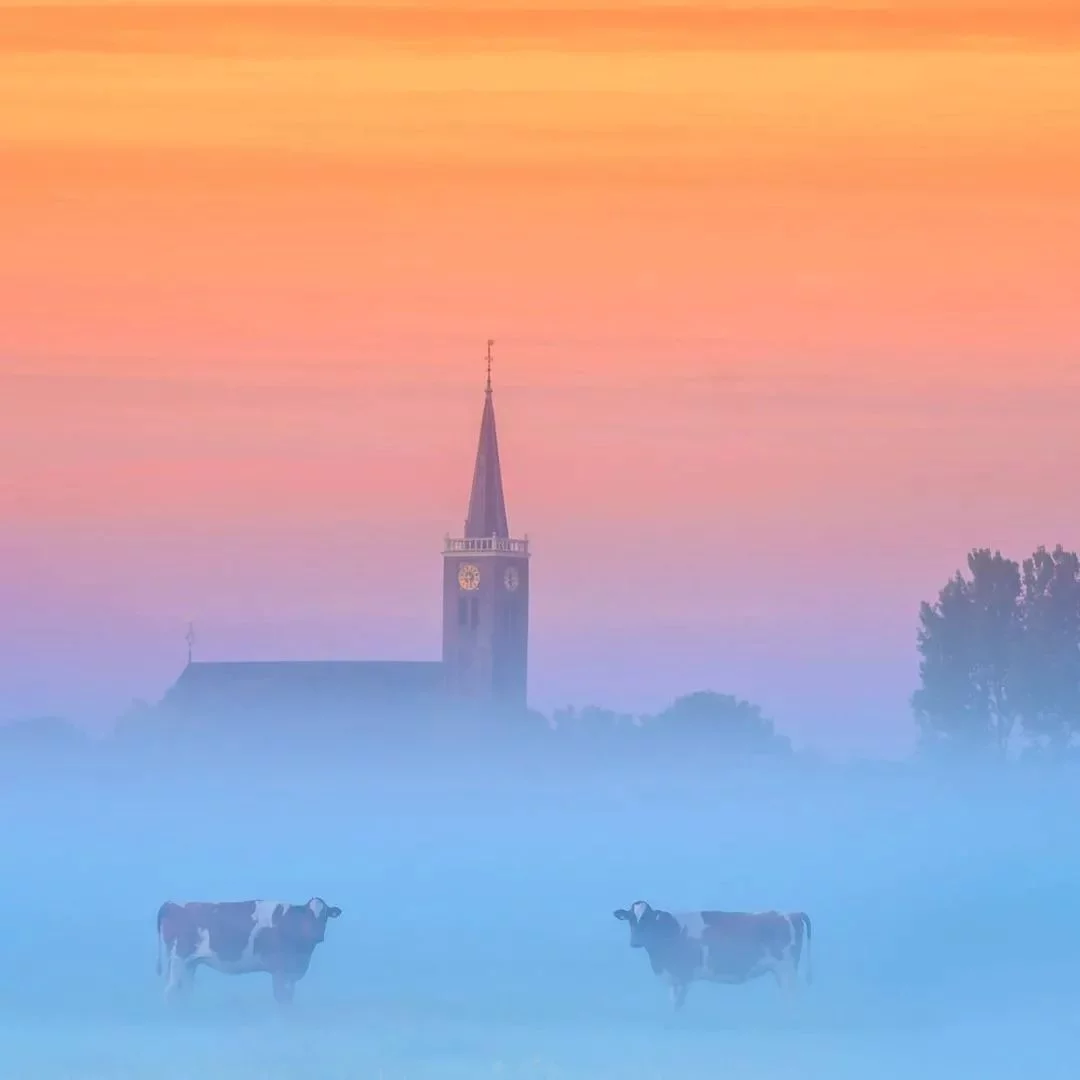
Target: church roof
point(487, 503)
point(271, 685)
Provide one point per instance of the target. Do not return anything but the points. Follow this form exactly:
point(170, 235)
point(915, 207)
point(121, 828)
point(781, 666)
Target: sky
point(783, 297)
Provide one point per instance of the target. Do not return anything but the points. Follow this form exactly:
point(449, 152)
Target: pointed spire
point(487, 504)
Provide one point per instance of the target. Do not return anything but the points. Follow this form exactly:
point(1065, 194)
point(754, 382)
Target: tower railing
point(480, 545)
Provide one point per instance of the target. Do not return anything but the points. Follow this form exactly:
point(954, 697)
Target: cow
point(719, 946)
point(238, 937)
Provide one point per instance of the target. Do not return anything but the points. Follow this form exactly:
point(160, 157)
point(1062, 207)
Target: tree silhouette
point(43, 738)
point(968, 642)
point(1000, 650)
point(1046, 678)
point(592, 722)
point(720, 721)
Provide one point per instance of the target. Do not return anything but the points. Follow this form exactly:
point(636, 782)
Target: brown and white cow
point(239, 937)
point(719, 946)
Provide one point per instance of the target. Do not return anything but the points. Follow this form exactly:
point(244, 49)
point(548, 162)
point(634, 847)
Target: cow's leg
point(786, 978)
point(172, 976)
point(283, 988)
point(179, 977)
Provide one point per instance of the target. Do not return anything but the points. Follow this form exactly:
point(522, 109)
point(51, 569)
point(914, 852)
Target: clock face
point(468, 577)
point(511, 578)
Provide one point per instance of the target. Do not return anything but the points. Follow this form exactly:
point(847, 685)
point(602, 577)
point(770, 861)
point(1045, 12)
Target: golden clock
point(468, 577)
point(511, 578)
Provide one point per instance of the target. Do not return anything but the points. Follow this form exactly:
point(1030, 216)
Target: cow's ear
point(333, 913)
point(622, 914)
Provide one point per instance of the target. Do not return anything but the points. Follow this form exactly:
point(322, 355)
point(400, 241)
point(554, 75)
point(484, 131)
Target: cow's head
point(322, 911)
point(303, 926)
point(648, 927)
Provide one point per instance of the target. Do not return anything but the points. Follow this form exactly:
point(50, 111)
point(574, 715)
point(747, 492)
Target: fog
point(477, 939)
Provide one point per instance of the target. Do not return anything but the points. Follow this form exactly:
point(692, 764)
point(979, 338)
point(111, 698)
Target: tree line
point(999, 673)
point(718, 724)
point(999, 657)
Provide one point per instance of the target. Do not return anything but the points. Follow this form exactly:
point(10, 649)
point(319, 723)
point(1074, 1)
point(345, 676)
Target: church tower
point(486, 588)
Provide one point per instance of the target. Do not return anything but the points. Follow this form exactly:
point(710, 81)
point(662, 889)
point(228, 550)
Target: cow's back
point(741, 945)
point(764, 927)
point(218, 933)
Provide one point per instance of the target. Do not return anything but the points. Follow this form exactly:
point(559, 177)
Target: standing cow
point(719, 946)
point(240, 937)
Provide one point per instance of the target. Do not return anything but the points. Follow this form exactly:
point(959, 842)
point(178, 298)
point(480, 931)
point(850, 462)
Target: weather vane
point(189, 637)
point(491, 341)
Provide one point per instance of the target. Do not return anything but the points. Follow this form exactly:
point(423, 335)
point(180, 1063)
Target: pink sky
point(785, 324)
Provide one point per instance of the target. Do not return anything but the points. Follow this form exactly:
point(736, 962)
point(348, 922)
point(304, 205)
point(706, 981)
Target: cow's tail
point(160, 940)
point(808, 934)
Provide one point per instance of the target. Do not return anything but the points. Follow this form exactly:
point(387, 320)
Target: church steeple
point(487, 503)
point(486, 588)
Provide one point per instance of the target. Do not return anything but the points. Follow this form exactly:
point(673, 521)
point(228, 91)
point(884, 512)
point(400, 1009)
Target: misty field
point(477, 937)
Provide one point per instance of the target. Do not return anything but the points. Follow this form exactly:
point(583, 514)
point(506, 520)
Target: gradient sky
point(784, 299)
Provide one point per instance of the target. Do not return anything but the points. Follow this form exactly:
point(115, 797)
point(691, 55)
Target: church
point(485, 636)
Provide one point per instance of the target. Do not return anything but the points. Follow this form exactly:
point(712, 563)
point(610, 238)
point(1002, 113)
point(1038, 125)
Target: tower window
point(462, 611)
point(474, 611)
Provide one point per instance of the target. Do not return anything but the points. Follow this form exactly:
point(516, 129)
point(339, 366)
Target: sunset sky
point(786, 301)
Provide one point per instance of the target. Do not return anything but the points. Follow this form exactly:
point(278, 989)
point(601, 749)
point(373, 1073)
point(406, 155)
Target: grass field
point(477, 940)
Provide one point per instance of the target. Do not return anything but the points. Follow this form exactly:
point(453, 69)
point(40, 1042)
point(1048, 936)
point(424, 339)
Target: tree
point(719, 721)
point(1046, 677)
point(1001, 649)
point(43, 738)
point(592, 721)
point(968, 642)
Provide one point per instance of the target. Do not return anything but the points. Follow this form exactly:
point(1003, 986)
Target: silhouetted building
point(486, 589)
point(485, 635)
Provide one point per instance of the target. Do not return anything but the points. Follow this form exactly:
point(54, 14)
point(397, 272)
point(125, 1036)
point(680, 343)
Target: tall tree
point(968, 641)
point(1046, 679)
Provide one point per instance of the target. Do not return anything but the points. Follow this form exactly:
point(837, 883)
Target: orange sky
point(782, 294)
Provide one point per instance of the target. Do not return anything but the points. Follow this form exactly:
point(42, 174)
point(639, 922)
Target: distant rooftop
point(309, 684)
